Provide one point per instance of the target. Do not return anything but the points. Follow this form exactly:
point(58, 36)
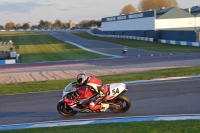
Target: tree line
point(144, 5)
point(47, 24)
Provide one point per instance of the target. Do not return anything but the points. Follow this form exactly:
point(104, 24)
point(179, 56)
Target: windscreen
point(70, 88)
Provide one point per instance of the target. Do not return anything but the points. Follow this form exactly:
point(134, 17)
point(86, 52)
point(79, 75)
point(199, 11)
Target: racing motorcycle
point(77, 99)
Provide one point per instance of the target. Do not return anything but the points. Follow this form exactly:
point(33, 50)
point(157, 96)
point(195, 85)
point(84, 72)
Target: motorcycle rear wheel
point(65, 111)
point(122, 101)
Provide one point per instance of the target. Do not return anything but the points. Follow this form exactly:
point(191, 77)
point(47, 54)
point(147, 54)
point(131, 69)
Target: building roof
point(172, 12)
point(195, 10)
point(161, 11)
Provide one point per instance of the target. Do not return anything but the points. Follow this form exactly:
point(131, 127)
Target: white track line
point(102, 120)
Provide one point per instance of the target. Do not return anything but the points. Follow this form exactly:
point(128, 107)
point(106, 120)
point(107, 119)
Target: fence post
point(198, 38)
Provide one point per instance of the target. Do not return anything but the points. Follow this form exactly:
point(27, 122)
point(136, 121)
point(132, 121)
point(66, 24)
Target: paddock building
point(166, 23)
point(172, 18)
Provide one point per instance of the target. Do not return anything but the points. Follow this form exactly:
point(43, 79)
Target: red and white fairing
point(115, 90)
point(86, 94)
point(94, 83)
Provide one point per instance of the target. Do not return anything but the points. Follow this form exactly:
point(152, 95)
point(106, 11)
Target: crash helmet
point(81, 78)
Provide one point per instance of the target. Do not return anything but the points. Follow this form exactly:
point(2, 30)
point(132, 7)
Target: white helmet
point(81, 78)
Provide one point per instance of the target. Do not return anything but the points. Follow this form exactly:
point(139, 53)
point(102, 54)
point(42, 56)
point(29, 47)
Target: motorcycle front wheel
point(65, 111)
point(123, 104)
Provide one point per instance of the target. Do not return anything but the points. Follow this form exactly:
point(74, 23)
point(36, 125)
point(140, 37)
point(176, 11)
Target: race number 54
point(114, 91)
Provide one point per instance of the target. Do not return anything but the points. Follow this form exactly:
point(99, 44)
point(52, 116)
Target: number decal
point(117, 91)
point(114, 92)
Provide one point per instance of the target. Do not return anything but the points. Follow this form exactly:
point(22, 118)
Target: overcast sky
point(21, 11)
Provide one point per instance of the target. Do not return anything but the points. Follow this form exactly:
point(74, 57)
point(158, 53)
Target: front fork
point(65, 104)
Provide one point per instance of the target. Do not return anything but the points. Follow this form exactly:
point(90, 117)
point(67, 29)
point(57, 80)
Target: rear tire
point(124, 103)
point(65, 111)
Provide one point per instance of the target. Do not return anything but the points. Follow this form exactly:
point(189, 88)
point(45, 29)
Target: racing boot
point(104, 107)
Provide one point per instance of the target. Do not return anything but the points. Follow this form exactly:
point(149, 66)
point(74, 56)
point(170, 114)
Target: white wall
point(130, 24)
point(10, 61)
point(198, 21)
point(175, 23)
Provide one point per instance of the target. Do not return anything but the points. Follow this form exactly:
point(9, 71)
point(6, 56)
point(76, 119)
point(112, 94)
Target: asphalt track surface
point(152, 98)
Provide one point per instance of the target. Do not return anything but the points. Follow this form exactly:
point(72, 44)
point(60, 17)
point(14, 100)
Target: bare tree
point(1, 27)
point(65, 25)
point(9, 25)
point(128, 9)
point(48, 24)
point(41, 24)
point(58, 23)
point(18, 26)
point(34, 26)
point(89, 23)
point(26, 26)
point(83, 23)
point(145, 5)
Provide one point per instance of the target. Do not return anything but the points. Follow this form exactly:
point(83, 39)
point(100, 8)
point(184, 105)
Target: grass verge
point(38, 47)
point(60, 84)
point(187, 126)
point(153, 46)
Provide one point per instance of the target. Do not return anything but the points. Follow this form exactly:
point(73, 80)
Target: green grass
point(187, 126)
point(153, 46)
point(38, 47)
point(14, 88)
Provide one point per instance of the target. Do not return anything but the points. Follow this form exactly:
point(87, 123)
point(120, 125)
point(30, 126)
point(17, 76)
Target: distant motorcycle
point(76, 100)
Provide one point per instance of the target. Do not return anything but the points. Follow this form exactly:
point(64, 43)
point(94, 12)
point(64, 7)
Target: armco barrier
point(178, 35)
point(124, 37)
point(7, 61)
point(184, 43)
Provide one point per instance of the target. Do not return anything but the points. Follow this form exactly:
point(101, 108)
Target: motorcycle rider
point(98, 86)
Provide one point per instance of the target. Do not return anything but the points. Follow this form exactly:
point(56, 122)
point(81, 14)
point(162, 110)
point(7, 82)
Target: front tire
point(123, 102)
point(65, 111)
